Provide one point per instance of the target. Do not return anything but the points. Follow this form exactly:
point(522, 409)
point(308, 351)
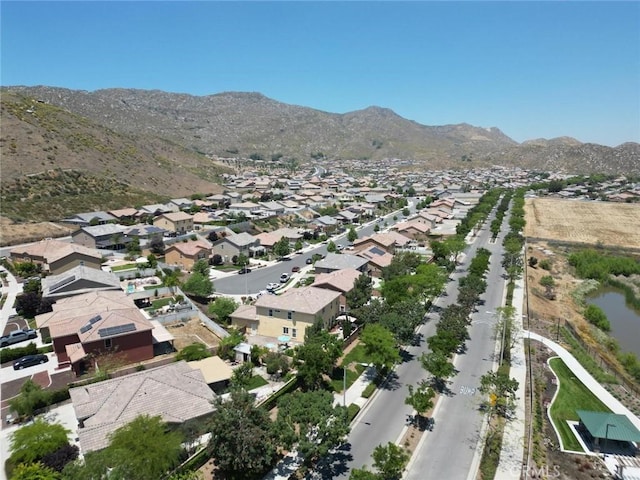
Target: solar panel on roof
point(377, 251)
point(117, 330)
point(95, 319)
point(86, 328)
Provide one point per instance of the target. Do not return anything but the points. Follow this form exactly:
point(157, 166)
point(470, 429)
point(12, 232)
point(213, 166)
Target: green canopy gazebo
point(608, 426)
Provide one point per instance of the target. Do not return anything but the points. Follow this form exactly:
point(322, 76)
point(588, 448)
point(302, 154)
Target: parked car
point(284, 277)
point(29, 361)
point(309, 261)
point(244, 270)
point(18, 336)
point(272, 286)
point(295, 269)
point(340, 247)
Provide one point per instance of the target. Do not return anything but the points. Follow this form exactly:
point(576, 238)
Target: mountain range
point(148, 142)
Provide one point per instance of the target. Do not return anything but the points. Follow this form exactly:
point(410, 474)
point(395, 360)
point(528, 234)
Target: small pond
point(625, 322)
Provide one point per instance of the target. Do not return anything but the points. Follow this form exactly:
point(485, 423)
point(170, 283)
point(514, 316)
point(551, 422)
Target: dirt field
point(190, 332)
point(17, 233)
point(612, 224)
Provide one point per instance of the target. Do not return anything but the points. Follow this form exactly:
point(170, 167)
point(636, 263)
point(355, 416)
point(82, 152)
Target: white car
point(272, 286)
point(284, 277)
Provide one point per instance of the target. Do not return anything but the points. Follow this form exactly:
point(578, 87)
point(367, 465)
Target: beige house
point(185, 254)
point(288, 314)
point(57, 257)
point(178, 222)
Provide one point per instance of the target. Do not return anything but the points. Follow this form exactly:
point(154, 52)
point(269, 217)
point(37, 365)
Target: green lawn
point(572, 396)
point(356, 355)
point(128, 266)
point(338, 379)
point(156, 304)
point(255, 382)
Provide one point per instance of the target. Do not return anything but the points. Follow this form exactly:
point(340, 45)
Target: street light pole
point(344, 385)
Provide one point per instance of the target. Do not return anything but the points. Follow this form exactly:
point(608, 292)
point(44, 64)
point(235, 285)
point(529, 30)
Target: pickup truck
point(18, 336)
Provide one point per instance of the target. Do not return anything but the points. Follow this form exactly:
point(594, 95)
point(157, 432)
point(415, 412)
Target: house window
point(107, 343)
point(270, 313)
point(289, 315)
point(285, 330)
point(294, 332)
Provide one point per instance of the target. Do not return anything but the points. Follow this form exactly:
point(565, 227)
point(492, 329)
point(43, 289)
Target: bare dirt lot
point(17, 233)
point(192, 331)
point(587, 222)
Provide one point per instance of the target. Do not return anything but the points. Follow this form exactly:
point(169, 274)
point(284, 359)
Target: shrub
point(369, 389)
point(545, 264)
point(11, 354)
point(596, 316)
point(195, 351)
point(352, 411)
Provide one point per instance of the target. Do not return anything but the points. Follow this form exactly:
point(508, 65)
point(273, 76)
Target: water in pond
point(625, 322)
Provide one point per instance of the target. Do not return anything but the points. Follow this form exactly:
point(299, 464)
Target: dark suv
point(29, 361)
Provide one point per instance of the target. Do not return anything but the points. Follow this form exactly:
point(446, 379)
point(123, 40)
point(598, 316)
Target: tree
point(310, 420)
point(533, 261)
point(390, 460)
point(144, 449)
point(201, 267)
point(501, 391)
point(222, 307)
point(548, 283)
point(242, 375)
point(421, 399)
point(227, 344)
point(34, 471)
point(317, 357)
point(331, 247)
point(31, 443)
point(212, 236)
point(152, 261)
point(439, 366)
point(243, 443)
point(31, 398)
point(60, 458)
point(198, 285)
point(28, 304)
point(352, 235)
point(405, 212)
point(376, 228)
point(298, 245)
point(456, 246)
point(195, 351)
point(380, 346)
point(363, 474)
point(360, 293)
point(281, 248)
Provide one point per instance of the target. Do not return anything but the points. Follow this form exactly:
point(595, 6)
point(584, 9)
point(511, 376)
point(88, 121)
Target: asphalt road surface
point(455, 434)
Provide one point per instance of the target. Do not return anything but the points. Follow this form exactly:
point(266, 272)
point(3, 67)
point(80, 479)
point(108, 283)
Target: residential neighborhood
point(157, 310)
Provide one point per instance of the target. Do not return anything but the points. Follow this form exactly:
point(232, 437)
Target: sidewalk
point(585, 377)
point(512, 452)
point(12, 290)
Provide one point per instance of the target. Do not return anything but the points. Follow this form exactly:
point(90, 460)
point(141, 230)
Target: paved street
point(386, 415)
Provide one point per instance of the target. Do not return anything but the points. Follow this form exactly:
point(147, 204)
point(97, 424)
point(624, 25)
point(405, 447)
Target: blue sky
point(532, 69)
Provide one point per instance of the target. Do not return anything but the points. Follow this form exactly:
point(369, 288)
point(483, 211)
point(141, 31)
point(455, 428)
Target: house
point(56, 257)
point(124, 215)
point(347, 217)
point(387, 241)
point(145, 233)
point(335, 261)
point(414, 230)
point(377, 258)
point(95, 324)
point(339, 281)
point(186, 254)
point(106, 237)
point(176, 392)
point(288, 314)
point(156, 209)
point(326, 223)
point(78, 280)
point(176, 222)
point(237, 244)
point(181, 203)
point(90, 218)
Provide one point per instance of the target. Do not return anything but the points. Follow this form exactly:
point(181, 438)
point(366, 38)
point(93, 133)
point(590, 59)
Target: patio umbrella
point(284, 338)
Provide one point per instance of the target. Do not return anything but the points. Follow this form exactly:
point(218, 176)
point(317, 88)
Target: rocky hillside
point(163, 143)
